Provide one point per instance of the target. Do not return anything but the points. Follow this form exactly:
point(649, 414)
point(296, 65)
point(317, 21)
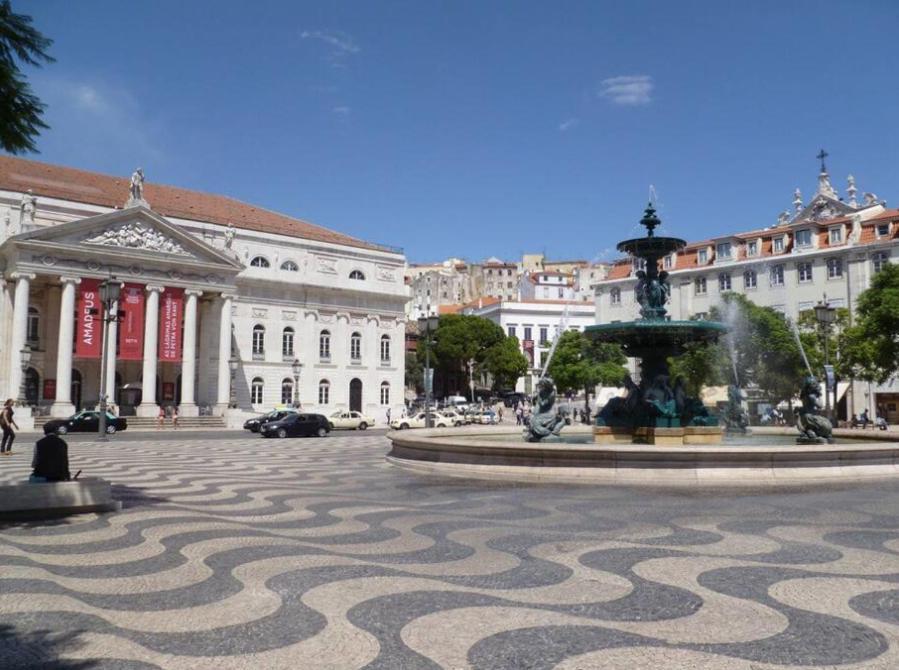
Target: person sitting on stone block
point(51, 460)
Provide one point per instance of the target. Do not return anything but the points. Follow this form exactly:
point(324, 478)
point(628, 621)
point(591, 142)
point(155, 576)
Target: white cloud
point(628, 90)
point(568, 124)
point(341, 45)
point(341, 110)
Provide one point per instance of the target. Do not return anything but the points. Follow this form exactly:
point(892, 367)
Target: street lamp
point(232, 391)
point(24, 360)
point(297, 367)
point(427, 325)
point(826, 315)
point(110, 290)
point(471, 377)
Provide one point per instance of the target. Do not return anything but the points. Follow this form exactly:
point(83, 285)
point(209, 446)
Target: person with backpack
point(6, 423)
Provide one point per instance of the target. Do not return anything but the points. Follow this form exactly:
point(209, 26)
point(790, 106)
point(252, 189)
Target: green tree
point(414, 368)
point(505, 363)
point(20, 109)
point(701, 365)
point(581, 363)
point(870, 348)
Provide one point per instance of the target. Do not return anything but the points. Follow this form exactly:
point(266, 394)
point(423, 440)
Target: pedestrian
point(500, 413)
point(160, 418)
point(6, 423)
point(388, 416)
point(51, 460)
point(174, 417)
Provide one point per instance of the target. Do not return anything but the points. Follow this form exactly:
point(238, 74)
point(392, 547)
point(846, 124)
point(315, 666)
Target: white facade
point(547, 285)
point(263, 296)
point(535, 324)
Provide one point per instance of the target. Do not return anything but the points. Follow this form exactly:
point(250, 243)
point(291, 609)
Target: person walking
point(160, 418)
point(6, 423)
point(174, 417)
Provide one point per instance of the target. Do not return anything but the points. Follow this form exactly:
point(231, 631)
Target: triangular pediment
point(822, 208)
point(135, 231)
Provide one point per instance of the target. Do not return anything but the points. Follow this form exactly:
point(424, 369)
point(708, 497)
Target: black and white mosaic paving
point(314, 553)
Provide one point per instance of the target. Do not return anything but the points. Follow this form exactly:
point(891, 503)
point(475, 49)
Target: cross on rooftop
point(821, 156)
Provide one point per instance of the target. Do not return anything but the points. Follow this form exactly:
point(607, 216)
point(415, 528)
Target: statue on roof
point(26, 210)
point(797, 200)
point(851, 191)
point(870, 199)
point(783, 218)
point(136, 195)
point(229, 235)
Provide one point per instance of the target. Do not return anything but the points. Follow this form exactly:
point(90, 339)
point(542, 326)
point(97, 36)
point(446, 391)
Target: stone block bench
point(34, 499)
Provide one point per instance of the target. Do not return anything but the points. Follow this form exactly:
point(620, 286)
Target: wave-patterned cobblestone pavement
point(314, 553)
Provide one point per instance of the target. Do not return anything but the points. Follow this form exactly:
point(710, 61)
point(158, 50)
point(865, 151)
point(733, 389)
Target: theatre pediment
point(134, 234)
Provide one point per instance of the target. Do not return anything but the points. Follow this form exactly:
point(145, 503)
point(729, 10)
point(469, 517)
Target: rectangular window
point(543, 334)
point(701, 286)
point(511, 330)
point(752, 248)
point(702, 257)
point(835, 268)
point(724, 282)
point(778, 245)
point(777, 275)
point(561, 292)
point(805, 272)
point(527, 333)
point(668, 263)
point(879, 260)
point(805, 306)
point(723, 251)
point(804, 238)
point(836, 235)
point(543, 357)
point(750, 280)
point(883, 230)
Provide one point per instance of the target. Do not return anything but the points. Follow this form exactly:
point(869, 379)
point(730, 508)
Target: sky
point(477, 129)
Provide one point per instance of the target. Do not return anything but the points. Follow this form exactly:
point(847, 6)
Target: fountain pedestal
point(658, 436)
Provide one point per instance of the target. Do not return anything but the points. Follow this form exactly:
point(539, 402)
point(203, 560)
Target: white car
point(488, 416)
point(454, 417)
point(350, 421)
point(418, 421)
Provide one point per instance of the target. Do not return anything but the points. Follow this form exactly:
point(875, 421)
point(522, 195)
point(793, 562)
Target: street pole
point(471, 377)
point(428, 377)
point(104, 320)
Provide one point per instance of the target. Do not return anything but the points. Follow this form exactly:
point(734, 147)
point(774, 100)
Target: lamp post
point(24, 360)
point(232, 391)
point(471, 377)
point(110, 290)
point(825, 314)
point(297, 367)
point(426, 325)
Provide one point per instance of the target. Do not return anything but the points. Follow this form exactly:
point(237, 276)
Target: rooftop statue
point(136, 189)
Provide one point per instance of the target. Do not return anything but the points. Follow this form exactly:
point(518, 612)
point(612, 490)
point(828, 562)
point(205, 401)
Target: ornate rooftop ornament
point(870, 199)
point(229, 235)
point(824, 185)
point(136, 192)
point(851, 191)
point(27, 207)
point(784, 218)
point(797, 200)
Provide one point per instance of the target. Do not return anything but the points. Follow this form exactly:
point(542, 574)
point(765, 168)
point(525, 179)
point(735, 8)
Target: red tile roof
point(56, 181)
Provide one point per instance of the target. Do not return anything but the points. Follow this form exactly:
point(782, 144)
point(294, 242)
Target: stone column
point(62, 405)
point(148, 406)
point(224, 371)
point(188, 406)
point(19, 331)
point(111, 347)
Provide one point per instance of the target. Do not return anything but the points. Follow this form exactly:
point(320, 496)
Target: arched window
point(256, 391)
point(290, 266)
point(615, 296)
point(385, 348)
point(258, 340)
point(34, 325)
point(324, 345)
point(324, 392)
point(357, 274)
point(287, 342)
point(385, 393)
point(260, 262)
point(356, 347)
point(287, 391)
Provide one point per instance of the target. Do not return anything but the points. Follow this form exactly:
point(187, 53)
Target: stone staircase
point(149, 422)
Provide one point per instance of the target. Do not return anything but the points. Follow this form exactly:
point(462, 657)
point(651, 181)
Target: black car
point(297, 425)
point(85, 422)
point(253, 425)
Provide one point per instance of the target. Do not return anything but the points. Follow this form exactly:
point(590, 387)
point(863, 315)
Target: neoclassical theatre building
point(213, 290)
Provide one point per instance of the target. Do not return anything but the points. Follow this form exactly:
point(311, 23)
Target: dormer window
point(668, 263)
point(778, 245)
point(723, 251)
point(702, 257)
point(835, 235)
point(752, 248)
point(804, 238)
point(883, 230)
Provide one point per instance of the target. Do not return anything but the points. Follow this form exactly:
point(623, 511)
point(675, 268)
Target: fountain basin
point(646, 334)
point(499, 453)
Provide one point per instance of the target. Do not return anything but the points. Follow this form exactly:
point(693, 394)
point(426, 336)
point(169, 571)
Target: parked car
point(487, 416)
point(297, 425)
point(350, 421)
point(418, 421)
point(85, 422)
point(454, 417)
point(253, 425)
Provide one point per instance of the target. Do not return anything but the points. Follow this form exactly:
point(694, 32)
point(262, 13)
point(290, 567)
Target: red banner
point(528, 346)
point(170, 314)
point(49, 389)
point(131, 328)
point(89, 324)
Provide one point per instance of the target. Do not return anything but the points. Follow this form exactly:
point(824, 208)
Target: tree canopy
point(870, 347)
point(20, 110)
point(581, 363)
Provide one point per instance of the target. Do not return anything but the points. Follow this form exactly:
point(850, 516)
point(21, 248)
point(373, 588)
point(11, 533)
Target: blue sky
point(480, 128)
